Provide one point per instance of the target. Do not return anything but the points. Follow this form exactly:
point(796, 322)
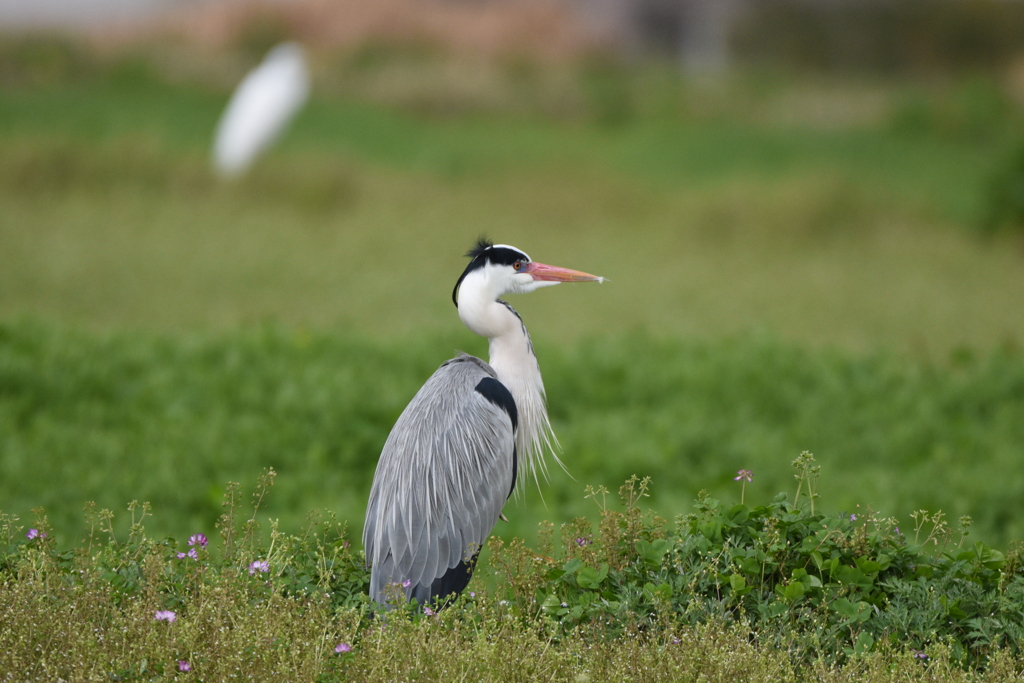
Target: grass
point(794, 266)
point(169, 419)
point(715, 213)
point(773, 593)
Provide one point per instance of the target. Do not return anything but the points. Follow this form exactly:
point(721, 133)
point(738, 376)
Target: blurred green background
point(804, 253)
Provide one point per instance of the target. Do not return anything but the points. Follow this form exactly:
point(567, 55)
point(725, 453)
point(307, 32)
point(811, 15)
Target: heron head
point(504, 269)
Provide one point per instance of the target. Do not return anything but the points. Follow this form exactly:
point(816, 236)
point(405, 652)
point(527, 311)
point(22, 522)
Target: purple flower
point(853, 518)
point(184, 665)
point(407, 583)
point(259, 566)
point(342, 648)
point(198, 539)
point(429, 612)
point(191, 553)
point(920, 654)
point(32, 534)
point(472, 594)
point(165, 615)
point(581, 541)
point(746, 475)
point(676, 641)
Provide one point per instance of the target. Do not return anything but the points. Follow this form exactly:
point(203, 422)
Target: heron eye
point(517, 265)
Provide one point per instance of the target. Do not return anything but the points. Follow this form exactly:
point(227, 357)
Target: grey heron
point(455, 453)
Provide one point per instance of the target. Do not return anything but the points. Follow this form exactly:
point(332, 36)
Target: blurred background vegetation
point(814, 244)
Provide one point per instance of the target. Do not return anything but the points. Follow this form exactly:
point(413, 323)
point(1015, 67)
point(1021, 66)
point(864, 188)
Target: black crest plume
point(482, 245)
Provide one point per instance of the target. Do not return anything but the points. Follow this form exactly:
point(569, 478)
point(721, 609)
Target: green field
point(170, 419)
point(794, 265)
point(710, 224)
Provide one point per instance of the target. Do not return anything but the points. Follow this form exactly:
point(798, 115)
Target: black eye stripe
point(503, 256)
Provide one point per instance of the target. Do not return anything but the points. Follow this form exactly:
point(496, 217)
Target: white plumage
point(260, 109)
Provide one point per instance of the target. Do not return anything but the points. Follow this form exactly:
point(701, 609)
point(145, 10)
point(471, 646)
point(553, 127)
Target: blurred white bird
point(260, 108)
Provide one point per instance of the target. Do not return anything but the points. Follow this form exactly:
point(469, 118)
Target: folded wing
point(443, 477)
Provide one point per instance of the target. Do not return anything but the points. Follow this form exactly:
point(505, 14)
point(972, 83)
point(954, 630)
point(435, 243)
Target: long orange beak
point(541, 271)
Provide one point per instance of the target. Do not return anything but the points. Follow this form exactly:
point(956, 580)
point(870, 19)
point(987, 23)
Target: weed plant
point(773, 592)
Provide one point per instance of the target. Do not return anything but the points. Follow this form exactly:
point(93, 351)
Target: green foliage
point(816, 585)
point(768, 593)
point(117, 417)
point(1006, 195)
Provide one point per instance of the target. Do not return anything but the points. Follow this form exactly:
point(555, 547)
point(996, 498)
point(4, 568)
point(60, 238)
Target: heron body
point(457, 450)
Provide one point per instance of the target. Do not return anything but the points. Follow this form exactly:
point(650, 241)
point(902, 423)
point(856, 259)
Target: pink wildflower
point(259, 566)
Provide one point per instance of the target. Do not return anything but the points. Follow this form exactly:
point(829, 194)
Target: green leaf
point(991, 559)
point(572, 565)
point(860, 611)
point(852, 576)
point(864, 643)
point(816, 558)
point(793, 592)
point(884, 560)
point(652, 553)
point(954, 611)
point(591, 578)
point(867, 566)
point(738, 582)
point(738, 514)
point(711, 530)
point(662, 591)
point(845, 608)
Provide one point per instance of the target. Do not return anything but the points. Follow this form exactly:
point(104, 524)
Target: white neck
point(513, 359)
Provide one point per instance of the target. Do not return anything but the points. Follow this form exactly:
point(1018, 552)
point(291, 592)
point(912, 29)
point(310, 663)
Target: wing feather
point(443, 477)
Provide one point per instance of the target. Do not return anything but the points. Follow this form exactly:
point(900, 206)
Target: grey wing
point(443, 477)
